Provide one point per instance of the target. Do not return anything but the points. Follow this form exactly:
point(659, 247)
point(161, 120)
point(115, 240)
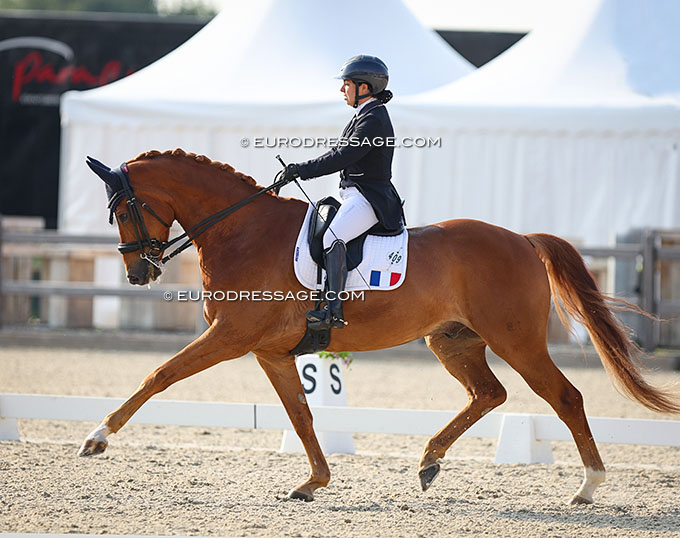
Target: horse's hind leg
point(461, 352)
point(284, 377)
point(205, 351)
point(546, 380)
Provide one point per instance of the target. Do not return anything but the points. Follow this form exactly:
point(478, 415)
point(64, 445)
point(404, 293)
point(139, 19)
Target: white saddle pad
point(382, 268)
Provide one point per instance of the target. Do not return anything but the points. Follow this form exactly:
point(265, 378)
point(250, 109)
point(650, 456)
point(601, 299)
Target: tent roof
point(280, 53)
point(593, 53)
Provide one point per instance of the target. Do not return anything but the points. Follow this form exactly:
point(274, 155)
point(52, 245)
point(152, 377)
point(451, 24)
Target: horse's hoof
point(428, 474)
point(91, 447)
point(297, 494)
point(580, 500)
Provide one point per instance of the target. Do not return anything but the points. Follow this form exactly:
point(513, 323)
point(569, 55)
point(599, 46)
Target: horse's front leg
point(204, 352)
point(284, 376)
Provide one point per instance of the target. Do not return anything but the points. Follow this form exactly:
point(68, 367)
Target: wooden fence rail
point(649, 251)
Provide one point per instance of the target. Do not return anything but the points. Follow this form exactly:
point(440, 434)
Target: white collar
point(362, 105)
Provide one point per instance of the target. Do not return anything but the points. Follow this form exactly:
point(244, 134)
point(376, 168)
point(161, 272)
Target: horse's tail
point(572, 284)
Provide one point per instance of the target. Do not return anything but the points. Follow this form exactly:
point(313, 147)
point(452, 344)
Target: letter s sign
point(309, 377)
point(334, 371)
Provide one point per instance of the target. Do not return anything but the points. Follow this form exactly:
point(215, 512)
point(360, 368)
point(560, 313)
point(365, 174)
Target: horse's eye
point(123, 217)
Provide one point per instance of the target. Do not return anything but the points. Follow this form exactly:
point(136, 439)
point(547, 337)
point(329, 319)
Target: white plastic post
point(9, 430)
point(517, 442)
point(57, 307)
point(106, 310)
point(323, 383)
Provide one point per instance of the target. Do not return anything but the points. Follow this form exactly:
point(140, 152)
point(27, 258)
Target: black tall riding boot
point(336, 276)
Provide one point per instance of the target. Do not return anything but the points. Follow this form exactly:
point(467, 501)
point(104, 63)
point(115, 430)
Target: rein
point(155, 246)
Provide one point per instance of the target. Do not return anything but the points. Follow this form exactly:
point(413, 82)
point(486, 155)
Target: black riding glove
point(289, 173)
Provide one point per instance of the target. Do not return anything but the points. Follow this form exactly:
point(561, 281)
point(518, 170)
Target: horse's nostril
point(133, 279)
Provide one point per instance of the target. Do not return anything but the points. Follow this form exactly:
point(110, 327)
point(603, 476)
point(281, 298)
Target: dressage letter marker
point(324, 386)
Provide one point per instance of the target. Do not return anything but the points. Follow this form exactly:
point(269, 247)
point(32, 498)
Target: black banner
point(42, 56)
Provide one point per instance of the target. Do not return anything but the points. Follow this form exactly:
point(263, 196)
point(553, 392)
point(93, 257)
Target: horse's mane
point(202, 159)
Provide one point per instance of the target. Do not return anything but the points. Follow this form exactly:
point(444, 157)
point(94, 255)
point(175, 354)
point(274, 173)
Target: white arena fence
point(522, 438)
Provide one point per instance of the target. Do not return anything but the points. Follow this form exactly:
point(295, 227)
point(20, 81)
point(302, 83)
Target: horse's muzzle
point(142, 273)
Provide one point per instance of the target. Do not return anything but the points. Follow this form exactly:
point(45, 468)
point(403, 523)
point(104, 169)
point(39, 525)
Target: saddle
point(322, 218)
point(315, 340)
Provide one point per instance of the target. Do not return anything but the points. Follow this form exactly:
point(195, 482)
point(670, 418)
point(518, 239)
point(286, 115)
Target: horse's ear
point(105, 173)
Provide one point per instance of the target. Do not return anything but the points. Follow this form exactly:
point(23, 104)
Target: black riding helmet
point(368, 69)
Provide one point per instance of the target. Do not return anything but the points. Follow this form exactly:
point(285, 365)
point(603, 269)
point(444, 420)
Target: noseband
point(155, 247)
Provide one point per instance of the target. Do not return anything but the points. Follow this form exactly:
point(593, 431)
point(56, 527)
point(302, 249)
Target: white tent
point(258, 70)
point(573, 131)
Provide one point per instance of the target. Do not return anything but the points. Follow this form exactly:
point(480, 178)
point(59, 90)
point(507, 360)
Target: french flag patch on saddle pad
point(384, 279)
point(382, 268)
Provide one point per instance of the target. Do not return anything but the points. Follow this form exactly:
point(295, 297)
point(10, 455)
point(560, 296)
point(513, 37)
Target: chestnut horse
point(470, 285)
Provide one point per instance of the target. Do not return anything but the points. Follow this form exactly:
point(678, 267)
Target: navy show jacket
point(363, 157)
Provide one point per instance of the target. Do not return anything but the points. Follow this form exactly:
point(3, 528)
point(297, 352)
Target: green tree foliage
point(185, 7)
point(112, 6)
point(194, 8)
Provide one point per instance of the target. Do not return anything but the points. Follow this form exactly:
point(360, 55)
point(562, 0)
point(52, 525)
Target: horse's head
point(144, 217)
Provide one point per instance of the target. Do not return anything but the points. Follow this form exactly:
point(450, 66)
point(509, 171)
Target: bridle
point(150, 248)
point(134, 205)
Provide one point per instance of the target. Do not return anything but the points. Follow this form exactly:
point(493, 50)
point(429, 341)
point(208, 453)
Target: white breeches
point(354, 217)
